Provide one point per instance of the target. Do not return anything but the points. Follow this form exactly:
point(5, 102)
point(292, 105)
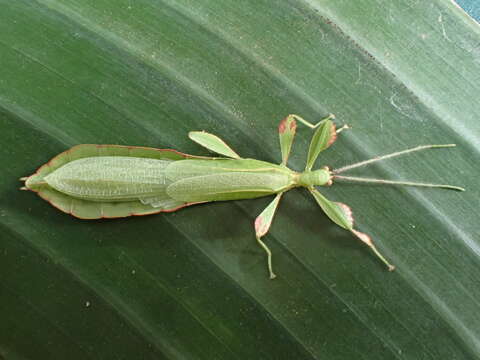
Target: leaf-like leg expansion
point(286, 134)
point(323, 137)
point(341, 215)
point(213, 143)
point(262, 225)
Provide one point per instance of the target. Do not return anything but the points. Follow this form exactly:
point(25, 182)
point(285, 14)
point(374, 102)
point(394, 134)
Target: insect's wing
point(286, 133)
point(323, 137)
point(213, 143)
point(85, 209)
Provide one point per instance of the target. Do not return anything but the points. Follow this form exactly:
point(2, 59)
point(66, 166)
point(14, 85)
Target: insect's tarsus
point(269, 257)
point(390, 182)
point(388, 156)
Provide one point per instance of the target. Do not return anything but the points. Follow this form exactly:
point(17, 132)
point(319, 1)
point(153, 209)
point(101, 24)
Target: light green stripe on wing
point(179, 170)
point(164, 202)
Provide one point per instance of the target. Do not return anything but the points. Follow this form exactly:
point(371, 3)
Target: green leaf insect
point(110, 181)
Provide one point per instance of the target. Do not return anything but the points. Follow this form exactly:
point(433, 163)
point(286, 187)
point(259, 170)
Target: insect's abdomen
point(111, 178)
point(229, 179)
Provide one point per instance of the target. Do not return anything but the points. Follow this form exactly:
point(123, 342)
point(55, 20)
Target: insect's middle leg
point(262, 225)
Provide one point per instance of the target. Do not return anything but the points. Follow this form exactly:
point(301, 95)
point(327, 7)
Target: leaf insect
point(110, 181)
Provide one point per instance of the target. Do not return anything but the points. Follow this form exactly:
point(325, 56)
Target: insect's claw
point(24, 188)
point(23, 178)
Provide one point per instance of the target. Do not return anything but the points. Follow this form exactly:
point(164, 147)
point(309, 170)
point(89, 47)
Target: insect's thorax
point(321, 177)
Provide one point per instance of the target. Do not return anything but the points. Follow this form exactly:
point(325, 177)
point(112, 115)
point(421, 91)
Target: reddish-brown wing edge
point(116, 217)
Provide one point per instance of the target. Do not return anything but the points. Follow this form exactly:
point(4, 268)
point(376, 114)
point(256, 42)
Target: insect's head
point(320, 177)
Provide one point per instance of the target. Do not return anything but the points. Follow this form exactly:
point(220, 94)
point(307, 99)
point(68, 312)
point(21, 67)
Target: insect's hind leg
point(262, 225)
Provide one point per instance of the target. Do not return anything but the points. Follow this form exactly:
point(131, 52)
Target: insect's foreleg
point(388, 156)
point(314, 126)
point(325, 135)
point(309, 124)
point(344, 127)
point(262, 225)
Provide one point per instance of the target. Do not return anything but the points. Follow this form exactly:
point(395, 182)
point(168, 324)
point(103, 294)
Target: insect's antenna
point(390, 182)
point(388, 156)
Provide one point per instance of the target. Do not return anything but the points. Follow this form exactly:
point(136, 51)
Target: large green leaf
point(193, 284)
